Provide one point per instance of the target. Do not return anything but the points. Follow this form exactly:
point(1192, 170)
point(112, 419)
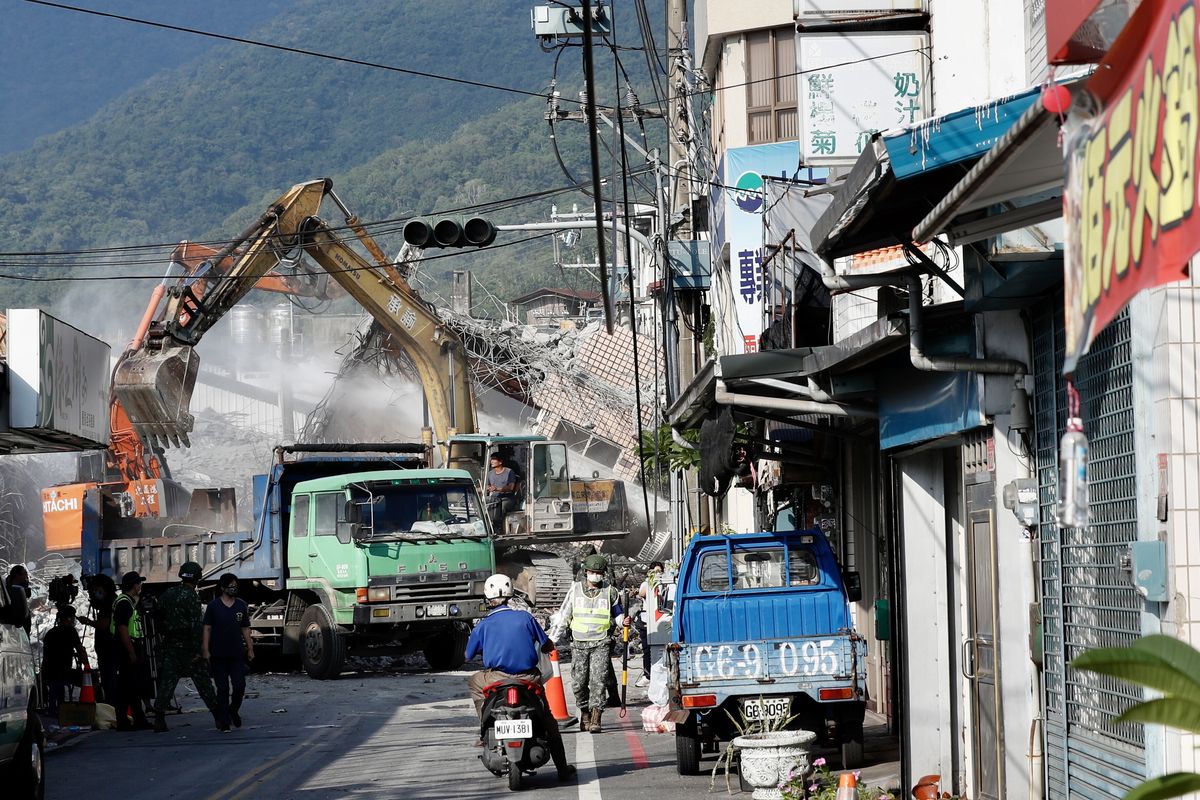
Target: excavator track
point(542, 576)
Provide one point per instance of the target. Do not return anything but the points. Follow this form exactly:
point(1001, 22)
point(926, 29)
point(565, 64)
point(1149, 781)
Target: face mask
point(231, 591)
point(594, 577)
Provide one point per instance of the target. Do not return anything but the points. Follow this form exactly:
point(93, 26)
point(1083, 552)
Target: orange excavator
point(126, 490)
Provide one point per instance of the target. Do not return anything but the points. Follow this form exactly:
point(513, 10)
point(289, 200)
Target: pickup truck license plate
point(438, 610)
point(763, 709)
point(514, 728)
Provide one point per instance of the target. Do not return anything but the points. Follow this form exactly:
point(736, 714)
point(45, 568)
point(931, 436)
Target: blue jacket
point(509, 639)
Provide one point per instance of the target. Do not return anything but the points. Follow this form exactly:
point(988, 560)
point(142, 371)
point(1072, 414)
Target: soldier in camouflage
point(178, 615)
point(589, 610)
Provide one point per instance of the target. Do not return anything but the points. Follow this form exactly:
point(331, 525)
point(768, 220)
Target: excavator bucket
point(155, 387)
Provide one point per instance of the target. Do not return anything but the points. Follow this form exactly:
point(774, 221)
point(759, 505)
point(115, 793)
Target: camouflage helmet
point(596, 563)
point(190, 571)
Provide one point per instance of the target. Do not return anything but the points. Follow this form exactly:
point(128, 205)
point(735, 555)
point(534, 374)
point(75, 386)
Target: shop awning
point(768, 374)
point(904, 174)
point(1026, 162)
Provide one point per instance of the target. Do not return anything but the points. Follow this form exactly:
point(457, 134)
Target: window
point(714, 573)
point(550, 478)
point(771, 114)
point(299, 516)
point(325, 523)
point(760, 568)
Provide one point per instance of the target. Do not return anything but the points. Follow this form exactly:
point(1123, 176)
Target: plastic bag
point(656, 692)
point(654, 720)
point(106, 717)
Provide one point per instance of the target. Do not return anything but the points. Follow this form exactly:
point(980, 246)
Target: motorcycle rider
point(509, 640)
point(590, 609)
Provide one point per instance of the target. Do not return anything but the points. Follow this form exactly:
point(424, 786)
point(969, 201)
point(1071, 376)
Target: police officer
point(178, 615)
point(129, 639)
point(590, 609)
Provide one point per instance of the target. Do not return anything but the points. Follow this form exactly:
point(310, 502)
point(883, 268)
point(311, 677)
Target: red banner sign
point(1130, 199)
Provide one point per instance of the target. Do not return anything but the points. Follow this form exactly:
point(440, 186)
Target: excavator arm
point(155, 378)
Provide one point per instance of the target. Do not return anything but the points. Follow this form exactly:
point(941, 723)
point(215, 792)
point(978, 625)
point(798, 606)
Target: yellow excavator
point(155, 378)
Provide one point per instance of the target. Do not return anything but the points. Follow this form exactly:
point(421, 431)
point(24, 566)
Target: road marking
point(273, 765)
point(637, 753)
point(585, 763)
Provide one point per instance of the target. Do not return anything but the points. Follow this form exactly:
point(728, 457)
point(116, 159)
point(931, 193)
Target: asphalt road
point(367, 735)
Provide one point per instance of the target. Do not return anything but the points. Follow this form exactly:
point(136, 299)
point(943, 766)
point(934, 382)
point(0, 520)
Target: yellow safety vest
point(591, 617)
point(135, 622)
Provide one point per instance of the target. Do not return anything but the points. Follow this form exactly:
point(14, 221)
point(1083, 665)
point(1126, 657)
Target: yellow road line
point(272, 765)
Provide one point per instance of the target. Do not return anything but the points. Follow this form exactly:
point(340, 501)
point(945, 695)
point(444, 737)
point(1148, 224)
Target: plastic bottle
point(1073, 509)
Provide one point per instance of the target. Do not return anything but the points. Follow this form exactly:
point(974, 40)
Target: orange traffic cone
point(847, 786)
point(87, 694)
point(554, 692)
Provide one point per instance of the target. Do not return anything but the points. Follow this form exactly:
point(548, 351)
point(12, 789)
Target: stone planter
point(767, 757)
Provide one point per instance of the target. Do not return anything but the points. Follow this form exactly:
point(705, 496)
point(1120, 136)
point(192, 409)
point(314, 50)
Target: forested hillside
point(58, 67)
point(196, 151)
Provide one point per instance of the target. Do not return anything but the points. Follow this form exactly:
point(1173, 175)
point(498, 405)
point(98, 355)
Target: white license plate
point(766, 708)
point(438, 610)
point(514, 728)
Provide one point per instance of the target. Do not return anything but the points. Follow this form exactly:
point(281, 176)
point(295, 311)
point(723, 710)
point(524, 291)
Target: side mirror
point(853, 581)
point(350, 512)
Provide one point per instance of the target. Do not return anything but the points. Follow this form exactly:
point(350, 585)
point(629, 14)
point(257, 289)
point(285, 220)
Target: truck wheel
point(322, 644)
point(687, 752)
point(26, 772)
point(449, 650)
point(852, 755)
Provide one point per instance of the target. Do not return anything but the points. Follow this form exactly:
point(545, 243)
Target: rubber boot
point(594, 727)
point(160, 722)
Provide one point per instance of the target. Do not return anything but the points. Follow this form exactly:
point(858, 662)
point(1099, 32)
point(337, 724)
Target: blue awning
point(904, 173)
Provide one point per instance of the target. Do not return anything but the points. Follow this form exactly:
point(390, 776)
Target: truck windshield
point(758, 568)
point(412, 511)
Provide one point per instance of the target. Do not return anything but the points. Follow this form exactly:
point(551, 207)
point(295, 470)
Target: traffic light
point(450, 232)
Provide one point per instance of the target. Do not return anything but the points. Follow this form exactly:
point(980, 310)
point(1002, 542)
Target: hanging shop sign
point(741, 227)
point(1130, 197)
point(853, 85)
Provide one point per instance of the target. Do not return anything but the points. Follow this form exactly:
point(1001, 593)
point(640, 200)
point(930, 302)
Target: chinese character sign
point(1130, 195)
point(743, 204)
point(854, 85)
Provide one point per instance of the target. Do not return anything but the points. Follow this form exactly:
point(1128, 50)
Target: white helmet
point(498, 587)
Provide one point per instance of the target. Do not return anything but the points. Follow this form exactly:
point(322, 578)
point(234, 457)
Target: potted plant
point(768, 758)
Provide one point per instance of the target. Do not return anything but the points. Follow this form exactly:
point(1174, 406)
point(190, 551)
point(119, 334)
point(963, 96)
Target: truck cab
point(389, 552)
point(762, 634)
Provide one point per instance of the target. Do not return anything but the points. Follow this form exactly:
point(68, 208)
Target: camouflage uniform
point(590, 664)
point(179, 618)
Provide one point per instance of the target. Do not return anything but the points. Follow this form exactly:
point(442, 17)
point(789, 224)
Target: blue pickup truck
point(763, 634)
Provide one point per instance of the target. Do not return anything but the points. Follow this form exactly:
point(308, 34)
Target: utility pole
point(681, 363)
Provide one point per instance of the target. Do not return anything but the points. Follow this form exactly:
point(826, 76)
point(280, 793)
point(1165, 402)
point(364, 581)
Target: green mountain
point(59, 67)
point(197, 150)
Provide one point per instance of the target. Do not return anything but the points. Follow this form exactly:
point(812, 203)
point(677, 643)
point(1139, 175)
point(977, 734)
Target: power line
point(420, 73)
point(216, 278)
point(284, 48)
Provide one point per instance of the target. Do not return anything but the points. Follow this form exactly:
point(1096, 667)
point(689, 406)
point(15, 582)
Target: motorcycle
point(514, 739)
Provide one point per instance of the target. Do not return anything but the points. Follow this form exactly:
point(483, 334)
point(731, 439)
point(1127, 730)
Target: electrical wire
point(284, 48)
point(637, 372)
point(422, 73)
point(218, 278)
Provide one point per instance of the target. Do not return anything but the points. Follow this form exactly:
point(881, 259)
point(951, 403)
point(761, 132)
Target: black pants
point(644, 637)
point(499, 506)
point(227, 672)
point(107, 661)
point(133, 680)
